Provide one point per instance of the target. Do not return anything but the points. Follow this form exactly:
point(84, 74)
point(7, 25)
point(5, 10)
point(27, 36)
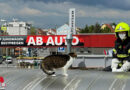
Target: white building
point(63, 30)
point(18, 28)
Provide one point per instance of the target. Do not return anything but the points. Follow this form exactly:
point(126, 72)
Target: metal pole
point(106, 59)
point(19, 34)
point(69, 39)
point(69, 47)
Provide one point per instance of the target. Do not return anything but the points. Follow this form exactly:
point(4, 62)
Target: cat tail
point(46, 71)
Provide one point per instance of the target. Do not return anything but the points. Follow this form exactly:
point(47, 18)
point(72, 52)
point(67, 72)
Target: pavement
point(35, 79)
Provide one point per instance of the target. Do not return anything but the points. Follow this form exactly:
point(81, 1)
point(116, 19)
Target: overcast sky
point(52, 13)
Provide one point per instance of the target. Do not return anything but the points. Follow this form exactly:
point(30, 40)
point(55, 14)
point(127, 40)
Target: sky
point(54, 13)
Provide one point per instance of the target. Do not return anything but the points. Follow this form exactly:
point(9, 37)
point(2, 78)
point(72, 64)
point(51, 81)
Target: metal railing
point(93, 57)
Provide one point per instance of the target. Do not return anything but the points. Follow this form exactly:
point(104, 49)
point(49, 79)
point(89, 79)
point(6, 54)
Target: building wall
point(16, 31)
point(17, 28)
point(63, 30)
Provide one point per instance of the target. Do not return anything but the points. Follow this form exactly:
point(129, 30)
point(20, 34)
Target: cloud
point(84, 8)
point(116, 4)
point(35, 12)
point(30, 11)
point(44, 11)
point(82, 13)
point(101, 12)
point(5, 8)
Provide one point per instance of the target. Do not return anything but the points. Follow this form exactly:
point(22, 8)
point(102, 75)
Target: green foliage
point(32, 31)
point(91, 28)
point(106, 30)
point(95, 29)
point(85, 30)
point(113, 24)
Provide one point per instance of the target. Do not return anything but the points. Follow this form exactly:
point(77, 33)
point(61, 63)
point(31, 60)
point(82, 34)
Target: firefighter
point(121, 52)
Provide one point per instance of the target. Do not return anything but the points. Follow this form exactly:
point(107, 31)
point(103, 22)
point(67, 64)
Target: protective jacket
point(122, 49)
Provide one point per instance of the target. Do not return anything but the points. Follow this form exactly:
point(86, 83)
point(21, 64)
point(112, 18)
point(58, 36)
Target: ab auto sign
point(95, 40)
point(37, 40)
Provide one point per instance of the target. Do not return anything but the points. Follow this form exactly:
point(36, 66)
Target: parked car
point(9, 60)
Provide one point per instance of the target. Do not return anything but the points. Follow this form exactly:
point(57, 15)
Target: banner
point(12, 41)
point(4, 28)
point(57, 41)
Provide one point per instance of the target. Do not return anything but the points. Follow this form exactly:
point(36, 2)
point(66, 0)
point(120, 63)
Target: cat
point(53, 62)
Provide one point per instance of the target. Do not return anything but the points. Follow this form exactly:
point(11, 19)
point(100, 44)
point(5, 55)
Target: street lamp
point(69, 39)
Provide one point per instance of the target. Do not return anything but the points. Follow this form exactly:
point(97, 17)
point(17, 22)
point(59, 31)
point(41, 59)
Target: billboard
point(4, 28)
point(57, 41)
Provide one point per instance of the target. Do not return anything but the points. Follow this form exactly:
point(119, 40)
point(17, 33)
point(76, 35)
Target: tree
point(91, 28)
point(97, 28)
point(113, 24)
point(33, 31)
point(85, 30)
point(106, 30)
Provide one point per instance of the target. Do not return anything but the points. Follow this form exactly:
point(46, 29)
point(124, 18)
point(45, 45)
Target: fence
point(27, 63)
point(92, 61)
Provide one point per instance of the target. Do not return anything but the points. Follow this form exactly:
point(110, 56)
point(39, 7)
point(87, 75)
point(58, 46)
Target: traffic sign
point(61, 49)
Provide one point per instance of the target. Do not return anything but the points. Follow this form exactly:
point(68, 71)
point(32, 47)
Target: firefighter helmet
point(123, 27)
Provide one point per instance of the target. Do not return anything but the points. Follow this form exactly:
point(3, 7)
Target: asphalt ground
point(35, 79)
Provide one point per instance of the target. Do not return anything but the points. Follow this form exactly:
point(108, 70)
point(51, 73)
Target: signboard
point(13, 40)
point(4, 28)
point(72, 20)
point(61, 49)
point(37, 41)
point(57, 41)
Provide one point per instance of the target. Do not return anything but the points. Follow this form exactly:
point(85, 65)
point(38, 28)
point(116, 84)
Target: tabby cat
point(53, 62)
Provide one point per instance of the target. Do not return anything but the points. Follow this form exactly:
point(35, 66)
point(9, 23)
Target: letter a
point(50, 41)
point(31, 41)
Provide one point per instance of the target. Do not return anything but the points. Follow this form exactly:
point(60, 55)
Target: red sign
point(78, 40)
point(100, 40)
point(59, 40)
point(105, 40)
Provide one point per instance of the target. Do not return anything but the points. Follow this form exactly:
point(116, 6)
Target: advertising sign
point(26, 41)
point(12, 41)
point(57, 41)
point(3, 28)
